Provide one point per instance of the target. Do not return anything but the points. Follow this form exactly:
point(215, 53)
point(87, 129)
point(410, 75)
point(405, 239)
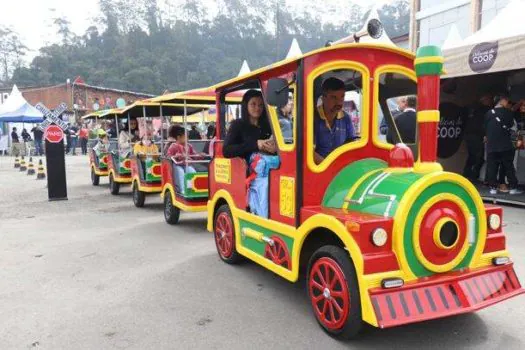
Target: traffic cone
point(23, 164)
point(41, 174)
point(17, 162)
point(30, 167)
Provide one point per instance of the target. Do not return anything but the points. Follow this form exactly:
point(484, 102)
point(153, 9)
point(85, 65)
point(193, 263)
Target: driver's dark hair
point(248, 95)
point(412, 101)
point(332, 84)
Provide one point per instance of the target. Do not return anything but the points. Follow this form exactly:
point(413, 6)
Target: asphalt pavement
point(94, 272)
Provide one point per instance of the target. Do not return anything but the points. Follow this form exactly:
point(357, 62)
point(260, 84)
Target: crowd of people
point(491, 129)
point(24, 144)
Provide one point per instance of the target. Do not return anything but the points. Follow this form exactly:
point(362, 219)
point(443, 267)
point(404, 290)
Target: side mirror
point(277, 92)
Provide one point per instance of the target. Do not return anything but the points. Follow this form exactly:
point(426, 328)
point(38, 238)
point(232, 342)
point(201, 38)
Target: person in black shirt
point(73, 132)
point(194, 134)
point(500, 150)
point(474, 133)
point(16, 146)
point(406, 123)
point(25, 135)
point(252, 132)
point(14, 136)
point(38, 134)
point(250, 137)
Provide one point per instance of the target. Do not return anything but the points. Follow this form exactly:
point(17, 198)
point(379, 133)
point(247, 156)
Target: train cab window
point(396, 109)
point(283, 121)
point(248, 126)
point(339, 114)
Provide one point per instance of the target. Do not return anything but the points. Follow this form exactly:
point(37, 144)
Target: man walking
point(73, 131)
point(500, 151)
point(38, 136)
point(83, 135)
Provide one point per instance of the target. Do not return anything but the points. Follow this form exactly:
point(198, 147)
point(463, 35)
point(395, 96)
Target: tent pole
point(161, 129)
point(186, 133)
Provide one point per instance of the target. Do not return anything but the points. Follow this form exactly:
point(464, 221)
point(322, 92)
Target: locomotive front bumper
point(444, 295)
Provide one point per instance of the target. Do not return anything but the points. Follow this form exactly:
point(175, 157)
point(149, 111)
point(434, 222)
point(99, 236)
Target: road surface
point(94, 272)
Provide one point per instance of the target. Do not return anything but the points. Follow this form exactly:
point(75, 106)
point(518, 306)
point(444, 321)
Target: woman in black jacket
point(251, 133)
point(250, 138)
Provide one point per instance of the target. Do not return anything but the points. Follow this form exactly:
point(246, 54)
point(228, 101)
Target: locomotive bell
point(373, 28)
point(401, 157)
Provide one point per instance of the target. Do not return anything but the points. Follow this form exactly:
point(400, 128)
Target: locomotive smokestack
point(429, 66)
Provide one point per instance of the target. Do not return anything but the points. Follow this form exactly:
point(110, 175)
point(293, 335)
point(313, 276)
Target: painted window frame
point(274, 120)
point(311, 105)
point(387, 68)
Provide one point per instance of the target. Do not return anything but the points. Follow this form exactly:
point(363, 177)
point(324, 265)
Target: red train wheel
point(334, 292)
point(329, 293)
point(224, 233)
point(278, 253)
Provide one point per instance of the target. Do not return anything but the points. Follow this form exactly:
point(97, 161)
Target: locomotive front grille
point(428, 300)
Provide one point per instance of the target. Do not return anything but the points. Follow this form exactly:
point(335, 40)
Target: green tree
point(137, 45)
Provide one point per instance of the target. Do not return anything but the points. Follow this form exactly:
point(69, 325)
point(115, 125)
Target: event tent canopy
point(245, 69)
point(17, 110)
point(499, 46)
point(295, 50)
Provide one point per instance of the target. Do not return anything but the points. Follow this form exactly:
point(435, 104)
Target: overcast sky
point(32, 19)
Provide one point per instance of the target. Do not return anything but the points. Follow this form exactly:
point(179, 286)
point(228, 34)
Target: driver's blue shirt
point(327, 139)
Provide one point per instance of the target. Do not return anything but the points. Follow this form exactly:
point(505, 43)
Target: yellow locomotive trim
point(437, 231)
point(299, 235)
point(429, 59)
point(486, 259)
point(428, 116)
point(417, 228)
point(427, 167)
point(406, 204)
point(387, 68)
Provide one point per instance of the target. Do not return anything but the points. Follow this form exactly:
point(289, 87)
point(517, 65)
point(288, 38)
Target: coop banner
point(486, 57)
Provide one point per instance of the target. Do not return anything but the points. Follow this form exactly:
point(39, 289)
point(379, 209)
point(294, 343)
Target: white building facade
point(432, 20)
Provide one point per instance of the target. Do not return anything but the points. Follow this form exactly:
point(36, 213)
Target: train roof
point(277, 65)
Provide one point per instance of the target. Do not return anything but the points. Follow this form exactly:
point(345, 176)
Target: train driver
point(332, 126)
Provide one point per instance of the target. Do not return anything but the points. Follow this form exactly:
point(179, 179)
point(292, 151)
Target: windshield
point(397, 105)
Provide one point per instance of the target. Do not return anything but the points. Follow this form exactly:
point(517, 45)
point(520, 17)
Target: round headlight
point(494, 221)
point(379, 237)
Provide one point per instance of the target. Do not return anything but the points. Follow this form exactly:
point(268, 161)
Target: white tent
point(245, 69)
point(505, 25)
point(453, 38)
point(499, 46)
point(295, 50)
point(17, 110)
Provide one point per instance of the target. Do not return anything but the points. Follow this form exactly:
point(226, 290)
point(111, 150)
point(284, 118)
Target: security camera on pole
point(54, 128)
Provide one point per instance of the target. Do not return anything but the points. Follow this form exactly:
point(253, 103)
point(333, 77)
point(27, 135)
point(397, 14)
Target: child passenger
point(146, 146)
point(102, 145)
point(177, 150)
